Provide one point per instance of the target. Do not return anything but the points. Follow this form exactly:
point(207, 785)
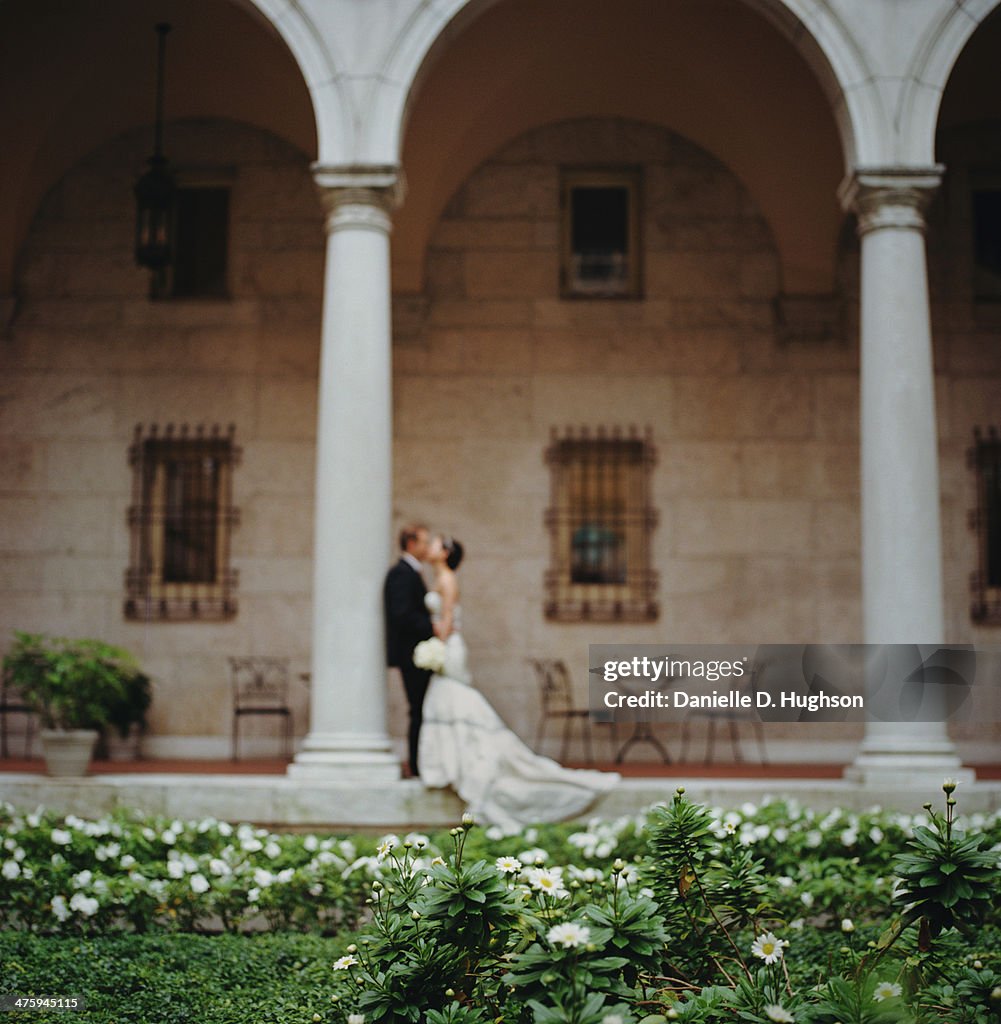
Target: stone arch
point(318, 62)
point(67, 105)
point(814, 131)
point(813, 28)
point(928, 75)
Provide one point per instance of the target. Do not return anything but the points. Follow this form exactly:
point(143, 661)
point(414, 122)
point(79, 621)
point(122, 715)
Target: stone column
point(902, 599)
point(348, 740)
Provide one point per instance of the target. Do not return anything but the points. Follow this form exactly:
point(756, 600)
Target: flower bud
point(450, 992)
point(415, 914)
point(352, 948)
point(977, 964)
point(949, 786)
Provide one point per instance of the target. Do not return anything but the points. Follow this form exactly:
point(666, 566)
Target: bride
point(463, 742)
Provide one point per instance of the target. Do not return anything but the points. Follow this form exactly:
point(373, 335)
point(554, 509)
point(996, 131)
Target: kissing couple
point(456, 738)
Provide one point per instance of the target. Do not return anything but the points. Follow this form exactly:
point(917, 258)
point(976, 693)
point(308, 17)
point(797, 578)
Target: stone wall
point(89, 357)
point(753, 405)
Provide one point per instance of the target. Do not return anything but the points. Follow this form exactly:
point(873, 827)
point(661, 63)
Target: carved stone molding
point(359, 197)
point(890, 197)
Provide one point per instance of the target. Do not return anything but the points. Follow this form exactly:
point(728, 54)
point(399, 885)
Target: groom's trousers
point(415, 682)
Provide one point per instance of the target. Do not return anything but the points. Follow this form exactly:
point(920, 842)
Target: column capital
point(890, 197)
point(359, 196)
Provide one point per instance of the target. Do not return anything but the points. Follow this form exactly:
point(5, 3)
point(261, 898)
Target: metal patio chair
point(260, 687)
point(732, 717)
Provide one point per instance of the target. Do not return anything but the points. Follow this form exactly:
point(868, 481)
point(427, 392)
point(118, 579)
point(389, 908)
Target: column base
point(900, 770)
point(349, 758)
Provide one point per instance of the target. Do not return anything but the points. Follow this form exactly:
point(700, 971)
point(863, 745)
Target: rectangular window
point(600, 233)
point(180, 522)
point(985, 460)
point(600, 526)
point(986, 215)
point(201, 243)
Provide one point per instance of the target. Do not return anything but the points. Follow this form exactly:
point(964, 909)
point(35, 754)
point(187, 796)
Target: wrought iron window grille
point(180, 523)
point(600, 524)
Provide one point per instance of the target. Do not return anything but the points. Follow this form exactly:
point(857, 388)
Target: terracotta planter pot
point(68, 751)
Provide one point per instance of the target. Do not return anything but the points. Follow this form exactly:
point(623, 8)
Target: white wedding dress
point(464, 744)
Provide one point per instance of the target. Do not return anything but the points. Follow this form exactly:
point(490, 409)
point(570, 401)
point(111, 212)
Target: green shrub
point(173, 979)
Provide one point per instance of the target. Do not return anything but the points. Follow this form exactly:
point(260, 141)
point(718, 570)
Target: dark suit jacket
point(407, 620)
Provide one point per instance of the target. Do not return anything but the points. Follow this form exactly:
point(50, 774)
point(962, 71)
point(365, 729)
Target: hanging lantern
point(155, 190)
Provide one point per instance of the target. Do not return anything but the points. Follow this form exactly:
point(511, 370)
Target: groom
point(407, 623)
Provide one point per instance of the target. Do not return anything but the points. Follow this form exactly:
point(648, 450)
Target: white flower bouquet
point(430, 654)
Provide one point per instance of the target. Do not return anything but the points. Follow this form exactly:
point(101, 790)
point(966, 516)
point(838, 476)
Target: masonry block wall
point(90, 356)
point(753, 404)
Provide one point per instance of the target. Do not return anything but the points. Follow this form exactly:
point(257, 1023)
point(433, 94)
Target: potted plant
point(126, 723)
point(76, 687)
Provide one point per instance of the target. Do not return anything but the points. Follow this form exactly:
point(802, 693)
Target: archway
point(499, 69)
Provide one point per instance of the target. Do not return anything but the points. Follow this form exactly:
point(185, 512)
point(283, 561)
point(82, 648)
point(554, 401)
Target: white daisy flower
point(199, 884)
point(548, 880)
point(508, 865)
point(847, 924)
point(59, 908)
point(356, 1018)
point(61, 837)
point(776, 1012)
point(886, 990)
point(388, 843)
point(345, 962)
point(569, 935)
point(768, 947)
point(11, 870)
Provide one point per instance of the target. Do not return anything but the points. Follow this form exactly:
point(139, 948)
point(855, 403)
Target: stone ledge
point(280, 802)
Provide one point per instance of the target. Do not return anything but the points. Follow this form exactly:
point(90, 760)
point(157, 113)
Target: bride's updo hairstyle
point(454, 549)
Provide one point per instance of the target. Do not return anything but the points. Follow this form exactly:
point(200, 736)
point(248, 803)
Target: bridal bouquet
point(430, 654)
